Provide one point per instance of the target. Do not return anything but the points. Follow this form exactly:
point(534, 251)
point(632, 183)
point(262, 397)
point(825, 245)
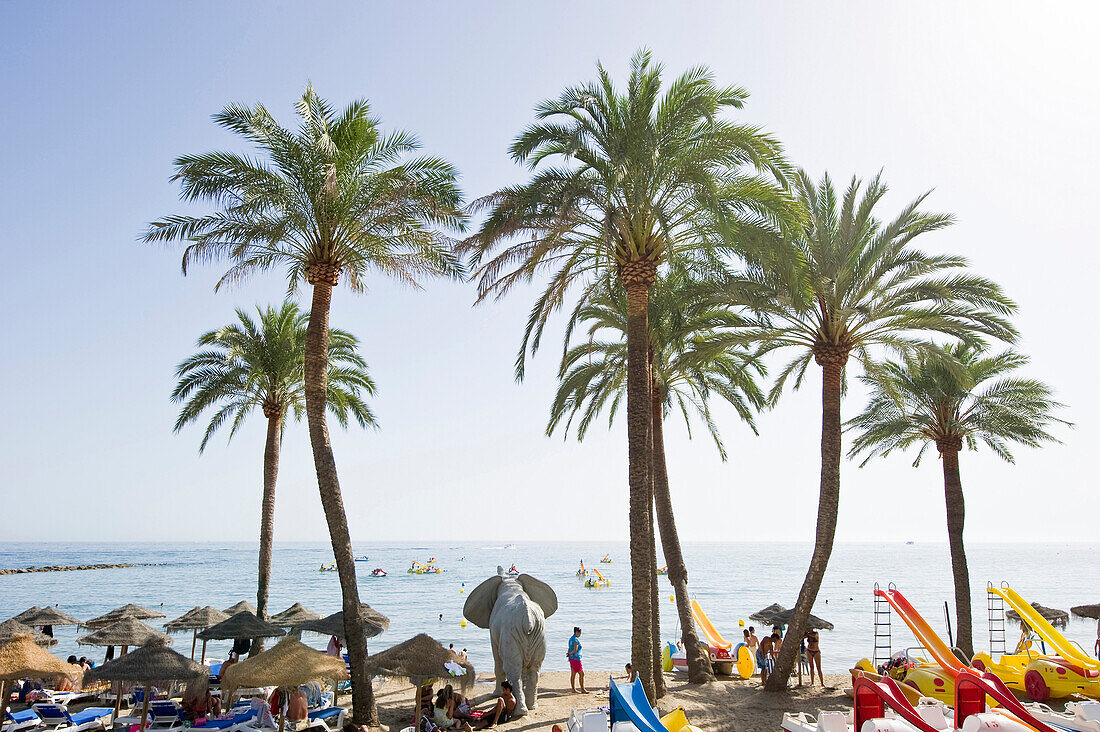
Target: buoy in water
point(463, 623)
point(741, 623)
point(672, 598)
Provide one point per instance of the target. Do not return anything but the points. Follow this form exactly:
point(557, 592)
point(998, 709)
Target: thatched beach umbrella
point(200, 618)
point(421, 659)
point(374, 623)
point(126, 612)
point(147, 665)
point(287, 665)
point(21, 657)
point(1088, 611)
point(1055, 617)
point(294, 616)
point(240, 607)
point(25, 614)
point(11, 628)
point(125, 633)
point(767, 615)
point(784, 618)
point(242, 625)
point(49, 616)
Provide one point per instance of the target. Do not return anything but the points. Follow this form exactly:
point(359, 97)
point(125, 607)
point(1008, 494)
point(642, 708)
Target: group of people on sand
point(447, 709)
point(767, 651)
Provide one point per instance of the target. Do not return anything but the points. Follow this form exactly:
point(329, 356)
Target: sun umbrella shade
point(26, 614)
point(1052, 615)
point(21, 657)
point(419, 658)
point(374, 623)
point(240, 607)
point(129, 632)
point(126, 612)
point(197, 619)
point(241, 625)
point(49, 616)
point(767, 615)
point(288, 664)
point(10, 628)
point(784, 618)
point(1086, 611)
point(294, 616)
point(153, 662)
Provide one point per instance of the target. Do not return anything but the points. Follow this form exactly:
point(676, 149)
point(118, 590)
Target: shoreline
point(77, 568)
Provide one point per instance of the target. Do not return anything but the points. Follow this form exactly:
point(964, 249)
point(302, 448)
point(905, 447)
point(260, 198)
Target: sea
point(730, 580)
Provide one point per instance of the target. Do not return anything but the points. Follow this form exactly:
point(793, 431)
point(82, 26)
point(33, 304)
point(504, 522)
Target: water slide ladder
point(883, 646)
point(995, 606)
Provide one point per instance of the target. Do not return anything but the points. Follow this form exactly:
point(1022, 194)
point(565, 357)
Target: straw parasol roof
point(288, 664)
point(242, 625)
point(240, 607)
point(131, 611)
point(49, 616)
point(26, 614)
point(766, 615)
point(21, 657)
point(294, 616)
point(153, 662)
point(128, 632)
point(417, 659)
point(10, 628)
point(374, 623)
point(1053, 615)
point(1086, 611)
point(197, 619)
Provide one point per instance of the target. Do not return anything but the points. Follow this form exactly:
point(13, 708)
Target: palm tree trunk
point(698, 662)
point(832, 360)
point(659, 686)
point(267, 519)
point(956, 514)
point(640, 446)
point(316, 375)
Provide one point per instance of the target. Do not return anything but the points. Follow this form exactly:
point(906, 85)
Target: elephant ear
point(540, 592)
point(479, 605)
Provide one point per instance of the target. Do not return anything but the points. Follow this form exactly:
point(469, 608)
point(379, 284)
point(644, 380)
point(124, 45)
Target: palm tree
point(259, 364)
point(685, 374)
point(925, 400)
point(644, 177)
point(846, 285)
point(335, 197)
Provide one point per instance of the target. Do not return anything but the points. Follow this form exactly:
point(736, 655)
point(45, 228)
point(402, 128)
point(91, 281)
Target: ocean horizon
point(731, 580)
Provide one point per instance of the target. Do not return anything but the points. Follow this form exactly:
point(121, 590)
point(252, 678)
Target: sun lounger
point(55, 716)
point(165, 715)
point(229, 723)
point(19, 721)
point(64, 698)
point(331, 717)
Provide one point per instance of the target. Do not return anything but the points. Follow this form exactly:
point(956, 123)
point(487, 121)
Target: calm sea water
point(731, 581)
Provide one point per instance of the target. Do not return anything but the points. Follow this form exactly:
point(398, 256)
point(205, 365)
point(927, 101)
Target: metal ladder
point(883, 646)
point(995, 606)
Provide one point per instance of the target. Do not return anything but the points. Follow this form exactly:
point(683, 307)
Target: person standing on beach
point(813, 655)
point(575, 667)
point(334, 647)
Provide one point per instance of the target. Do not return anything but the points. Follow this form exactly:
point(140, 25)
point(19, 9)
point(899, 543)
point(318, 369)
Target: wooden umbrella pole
point(118, 700)
point(145, 704)
point(416, 722)
point(194, 640)
point(203, 661)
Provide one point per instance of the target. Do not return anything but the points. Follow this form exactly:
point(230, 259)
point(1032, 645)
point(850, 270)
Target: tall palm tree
point(335, 197)
point(254, 364)
point(644, 176)
point(844, 286)
point(927, 401)
point(685, 374)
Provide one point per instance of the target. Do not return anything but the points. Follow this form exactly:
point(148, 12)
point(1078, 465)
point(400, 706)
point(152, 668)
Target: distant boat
point(362, 558)
point(908, 542)
point(509, 546)
point(606, 559)
point(379, 572)
point(512, 571)
point(330, 567)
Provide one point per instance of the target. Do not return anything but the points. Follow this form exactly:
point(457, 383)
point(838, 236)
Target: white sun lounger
point(55, 716)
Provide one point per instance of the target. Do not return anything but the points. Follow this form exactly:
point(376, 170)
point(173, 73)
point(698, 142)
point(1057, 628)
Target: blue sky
point(991, 104)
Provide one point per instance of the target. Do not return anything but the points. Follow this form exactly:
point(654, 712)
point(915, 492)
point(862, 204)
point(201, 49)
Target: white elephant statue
point(514, 609)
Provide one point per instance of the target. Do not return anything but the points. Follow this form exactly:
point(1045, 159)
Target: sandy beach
point(724, 705)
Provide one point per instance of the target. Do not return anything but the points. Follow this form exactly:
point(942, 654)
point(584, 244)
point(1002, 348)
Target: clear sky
point(993, 105)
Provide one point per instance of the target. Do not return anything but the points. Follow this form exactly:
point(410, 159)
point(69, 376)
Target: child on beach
point(574, 655)
point(630, 675)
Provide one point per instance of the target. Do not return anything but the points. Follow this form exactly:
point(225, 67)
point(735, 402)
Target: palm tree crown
point(851, 282)
point(685, 370)
point(644, 177)
point(261, 364)
point(924, 400)
point(337, 196)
